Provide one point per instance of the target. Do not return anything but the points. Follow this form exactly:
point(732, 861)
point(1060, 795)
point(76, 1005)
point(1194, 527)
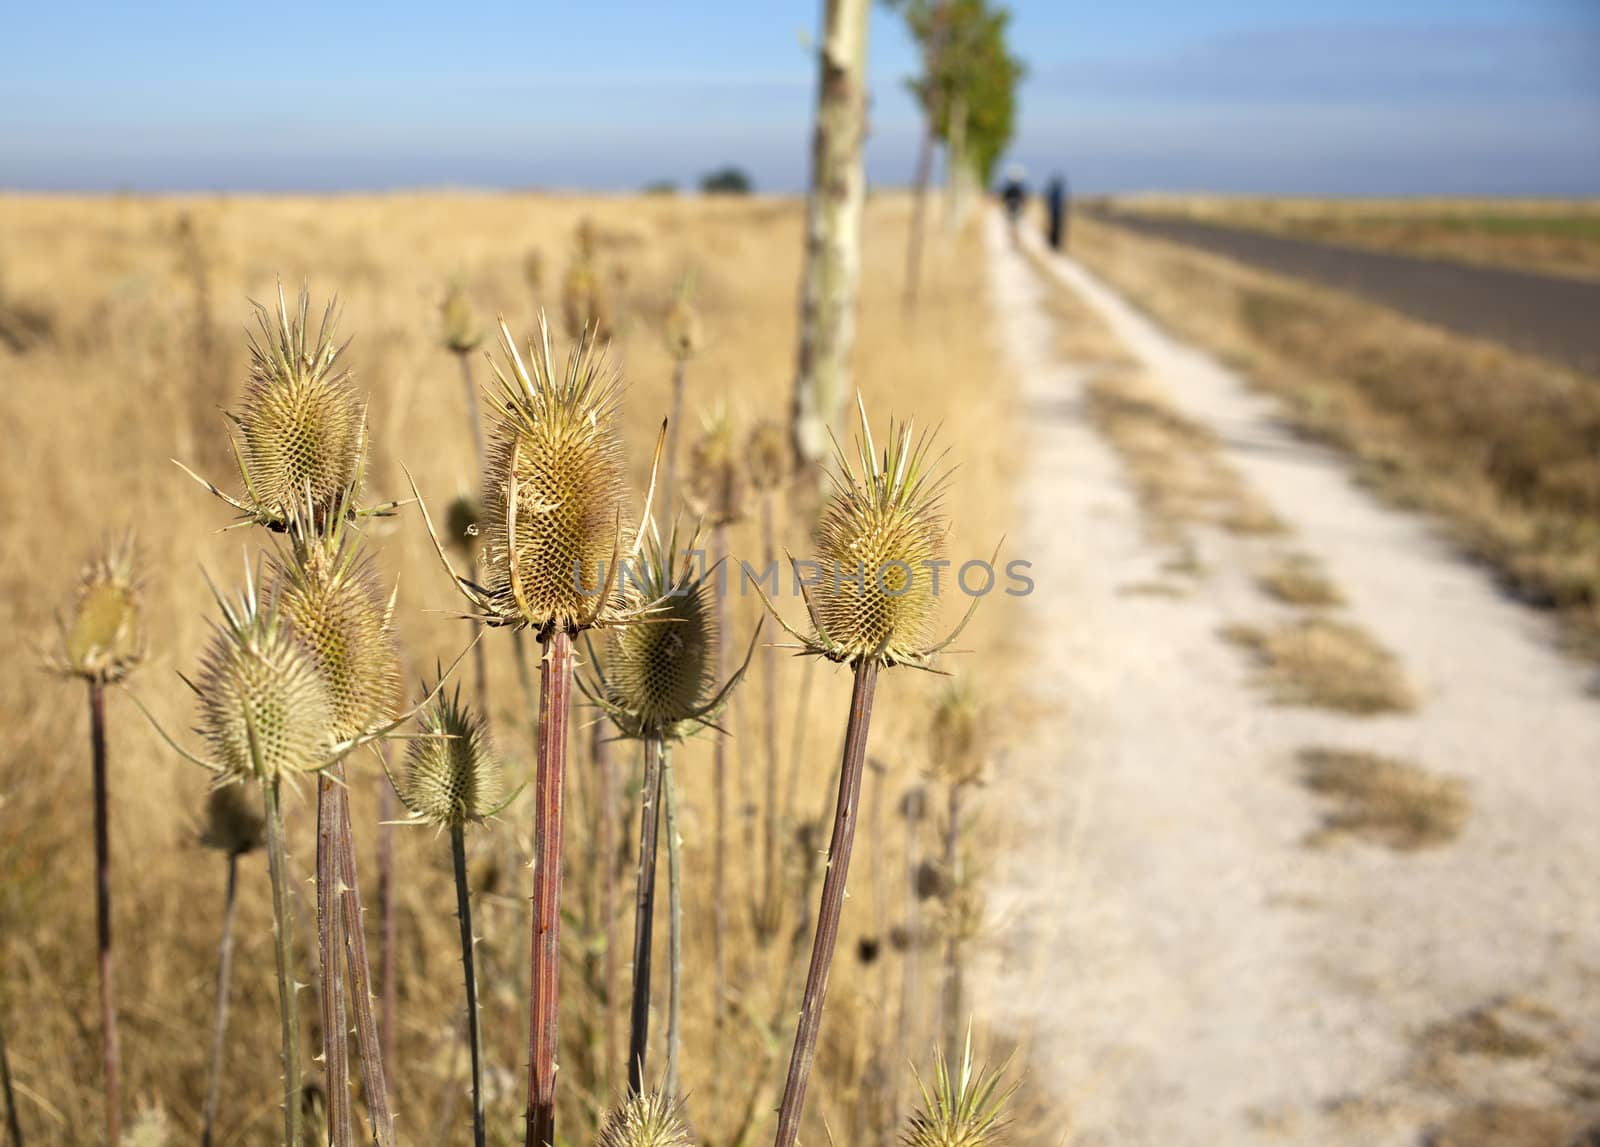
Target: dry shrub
point(1383, 800)
point(1328, 664)
point(1296, 579)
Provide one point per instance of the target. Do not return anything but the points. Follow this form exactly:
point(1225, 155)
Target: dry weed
point(1327, 664)
point(1385, 801)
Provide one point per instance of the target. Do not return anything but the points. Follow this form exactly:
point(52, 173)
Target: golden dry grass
point(1384, 800)
point(1500, 445)
point(146, 304)
point(1296, 579)
point(1551, 235)
point(1319, 662)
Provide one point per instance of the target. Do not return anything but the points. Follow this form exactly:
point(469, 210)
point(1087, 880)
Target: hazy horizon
point(1425, 97)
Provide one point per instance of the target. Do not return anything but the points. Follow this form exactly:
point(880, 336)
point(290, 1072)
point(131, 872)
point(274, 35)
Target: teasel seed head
point(645, 1119)
point(717, 479)
point(328, 592)
point(769, 455)
point(681, 331)
point(452, 775)
point(235, 823)
point(302, 426)
point(104, 640)
point(961, 1110)
point(877, 549)
point(585, 303)
point(460, 330)
point(264, 707)
point(955, 734)
point(533, 269)
point(554, 495)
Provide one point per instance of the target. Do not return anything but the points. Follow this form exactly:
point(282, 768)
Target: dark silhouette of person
point(1058, 201)
point(1014, 194)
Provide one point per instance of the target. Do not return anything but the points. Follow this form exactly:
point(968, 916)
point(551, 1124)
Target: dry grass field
point(129, 316)
point(1500, 446)
point(1556, 236)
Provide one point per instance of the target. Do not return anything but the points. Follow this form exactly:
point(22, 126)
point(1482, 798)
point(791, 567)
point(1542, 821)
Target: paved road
point(1547, 315)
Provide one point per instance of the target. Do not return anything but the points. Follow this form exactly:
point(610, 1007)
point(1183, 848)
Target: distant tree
point(661, 187)
point(726, 181)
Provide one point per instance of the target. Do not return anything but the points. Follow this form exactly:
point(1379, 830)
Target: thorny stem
point(335, 1025)
point(555, 695)
point(719, 870)
point(388, 921)
point(458, 854)
point(102, 900)
point(770, 909)
point(951, 1002)
point(368, 1040)
point(674, 925)
point(283, 933)
point(670, 471)
point(13, 1121)
point(643, 915)
point(608, 884)
point(832, 906)
point(219, 1031)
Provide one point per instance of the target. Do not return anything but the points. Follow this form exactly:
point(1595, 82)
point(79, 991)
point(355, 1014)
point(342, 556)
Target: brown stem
point(669, 790)
point(388, 922)
point(950, 1004)
point(670, 471)
point(219, 1031)
point(719, 845)
point(832, 906)
point(368, 1041)
point(13, 1121)
point(644, 915)
point(102, 901)
point(767, 916)
point(330, 934)
point(555, 692)
point(283, 936)
point(608, 886)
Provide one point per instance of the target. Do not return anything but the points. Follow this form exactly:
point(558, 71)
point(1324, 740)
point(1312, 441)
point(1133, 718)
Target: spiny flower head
point(459, 325)
point(955, 735)
point(881, 535)
point(452, 776)
point(645, 1119)
point(302, 426)
point(235, 823)
point(716, 470)
point(958, 1111)
point(553, 527)
point(327, 589)
point(659, 674)
point(681, 331)
point(264, 707)
point(768, 455)
point(104, 640)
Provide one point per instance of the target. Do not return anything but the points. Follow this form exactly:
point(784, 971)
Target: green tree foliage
point(726, 181)
point(970, 74)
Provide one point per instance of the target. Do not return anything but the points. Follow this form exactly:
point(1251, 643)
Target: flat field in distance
point(1556, 236)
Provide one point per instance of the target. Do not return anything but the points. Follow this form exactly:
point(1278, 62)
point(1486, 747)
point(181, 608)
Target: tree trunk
point(930, 131)
point(833, 230)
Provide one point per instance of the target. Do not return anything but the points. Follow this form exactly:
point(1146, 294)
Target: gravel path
point(1548, 315)
point(1187, 969)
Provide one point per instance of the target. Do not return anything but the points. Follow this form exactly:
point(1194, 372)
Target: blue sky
point(1337, 97)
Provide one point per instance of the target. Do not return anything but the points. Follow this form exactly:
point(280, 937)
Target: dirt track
point(1547, 315)
point(1188, 966)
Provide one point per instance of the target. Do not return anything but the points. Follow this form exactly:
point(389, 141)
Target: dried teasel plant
point(767, 459)
point(956, 761)
point(101, 644)
point(454, 779)
point(683, 337)
point(645, 1119)
point(659, 684)
point(585, 300)
point(328, 591)
point(964, 1109)
point(874, 607)
point(462, 334)
point(301, 430)
point(553, 538)
point(234, 828)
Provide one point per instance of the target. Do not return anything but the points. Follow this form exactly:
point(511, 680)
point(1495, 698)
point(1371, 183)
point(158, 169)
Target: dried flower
point(961, 1111)
point(459, 322)
point(716, 473)
point(681, 331)
point(768, 455)
point(104, 641)
point(955, 736)
point(452, 776)
point(645, 1119)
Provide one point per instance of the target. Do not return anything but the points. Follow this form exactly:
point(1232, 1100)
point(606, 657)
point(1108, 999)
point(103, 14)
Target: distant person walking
point(1058, 202)
point(1014, 194)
